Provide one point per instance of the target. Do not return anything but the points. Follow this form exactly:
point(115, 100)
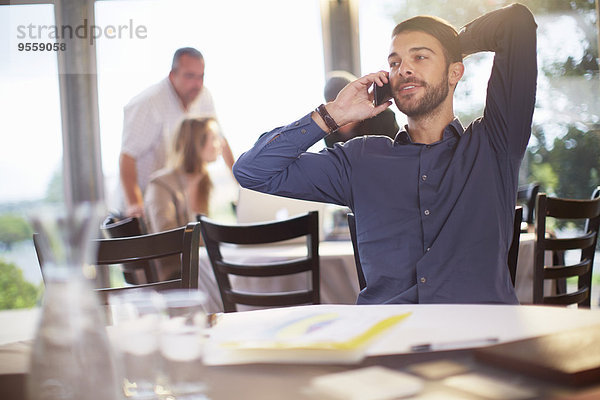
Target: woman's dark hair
point(439, 28)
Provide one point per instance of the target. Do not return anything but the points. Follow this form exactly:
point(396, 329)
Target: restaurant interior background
point(265, 67)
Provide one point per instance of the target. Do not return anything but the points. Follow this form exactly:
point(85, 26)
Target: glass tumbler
point(182, 343)
point(136, 316)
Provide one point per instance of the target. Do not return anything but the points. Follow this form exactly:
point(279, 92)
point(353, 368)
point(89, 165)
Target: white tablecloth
point(339, 283)
point(524, 278)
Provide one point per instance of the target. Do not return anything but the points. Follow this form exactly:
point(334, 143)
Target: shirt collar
point(174, 97)
point(454, 128)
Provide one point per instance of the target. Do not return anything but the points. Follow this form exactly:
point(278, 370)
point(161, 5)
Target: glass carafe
point(71, 356)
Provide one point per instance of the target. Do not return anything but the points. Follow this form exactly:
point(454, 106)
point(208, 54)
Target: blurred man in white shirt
point(150, 119)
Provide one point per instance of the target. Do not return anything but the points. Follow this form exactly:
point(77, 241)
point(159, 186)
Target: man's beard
point(434, 96)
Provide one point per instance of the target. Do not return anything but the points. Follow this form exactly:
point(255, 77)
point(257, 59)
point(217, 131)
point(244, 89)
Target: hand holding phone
point(381, 94)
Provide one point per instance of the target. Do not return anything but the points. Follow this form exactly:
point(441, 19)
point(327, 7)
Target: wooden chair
point(513, 252)
point(113, 227)
point(182, 241)
point(215, 234)
point(362, 283)
point(526, 196)
point(568, 209)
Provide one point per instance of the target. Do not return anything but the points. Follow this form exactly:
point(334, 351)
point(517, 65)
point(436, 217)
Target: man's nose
point(405, 69)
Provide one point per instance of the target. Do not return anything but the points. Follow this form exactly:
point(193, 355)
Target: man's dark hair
point(189, 51)
point(440, 29)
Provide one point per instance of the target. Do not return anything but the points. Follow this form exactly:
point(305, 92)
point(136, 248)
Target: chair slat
point(270, 232)
point(566, 271)
point(271, 299)
point(577, 297)
point(571, 208)
point(580, 242)
point(145, 247)
point(271, 269)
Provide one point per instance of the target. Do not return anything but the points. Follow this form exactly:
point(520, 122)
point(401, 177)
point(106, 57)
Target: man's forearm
point(485, 32)
point(275, 151)
point(131, 189)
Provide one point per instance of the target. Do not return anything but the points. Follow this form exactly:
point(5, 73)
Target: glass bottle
point(71, 356)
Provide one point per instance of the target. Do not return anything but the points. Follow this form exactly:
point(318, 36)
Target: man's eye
point(420, 57)
point(394, 64)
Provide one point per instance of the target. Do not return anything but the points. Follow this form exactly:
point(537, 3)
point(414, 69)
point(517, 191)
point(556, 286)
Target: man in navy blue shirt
point(434, 207)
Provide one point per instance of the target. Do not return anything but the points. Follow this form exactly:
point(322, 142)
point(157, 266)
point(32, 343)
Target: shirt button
point(423, 279)
point(429, 248)
point(426, 212)
point(303, 131)
point(424, 177)
point(297, 123)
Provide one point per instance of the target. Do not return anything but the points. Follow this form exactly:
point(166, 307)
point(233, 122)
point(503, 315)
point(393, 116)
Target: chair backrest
point(513, 252)
point(183, 241)
point(214, 234)
point(113, 227)
point(526, 196)
point(567, 209)
point(362, 283)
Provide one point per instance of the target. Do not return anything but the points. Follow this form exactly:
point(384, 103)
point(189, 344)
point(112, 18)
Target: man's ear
point(455, 72)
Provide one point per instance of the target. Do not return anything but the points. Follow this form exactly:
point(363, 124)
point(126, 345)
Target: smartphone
point(381, 94)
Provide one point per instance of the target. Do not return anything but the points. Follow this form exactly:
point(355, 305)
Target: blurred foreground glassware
point(136, 318)
point(71, 356)
point(182, 343)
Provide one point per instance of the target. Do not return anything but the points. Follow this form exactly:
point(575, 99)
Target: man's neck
point(429, 128)
point(184, 105)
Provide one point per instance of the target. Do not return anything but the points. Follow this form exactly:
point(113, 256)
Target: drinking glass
point(136, 318)
point(182, 343)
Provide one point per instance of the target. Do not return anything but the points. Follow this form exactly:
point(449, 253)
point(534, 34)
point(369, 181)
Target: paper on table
point(298, 335)
point(370, 383)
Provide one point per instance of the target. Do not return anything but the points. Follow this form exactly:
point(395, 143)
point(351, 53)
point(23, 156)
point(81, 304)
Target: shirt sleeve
point(280, 164)
point(510, 32)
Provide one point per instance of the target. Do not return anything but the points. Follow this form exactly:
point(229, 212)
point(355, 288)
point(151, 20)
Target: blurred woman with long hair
point(177, 193)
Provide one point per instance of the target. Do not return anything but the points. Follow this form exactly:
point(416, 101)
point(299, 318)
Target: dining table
point(397, 354)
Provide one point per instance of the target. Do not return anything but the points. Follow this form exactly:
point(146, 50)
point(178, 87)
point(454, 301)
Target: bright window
point(30, 137)
point(264, 64)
